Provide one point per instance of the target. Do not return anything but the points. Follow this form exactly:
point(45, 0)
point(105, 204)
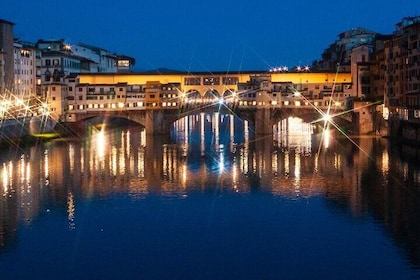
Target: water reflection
point(215, 151)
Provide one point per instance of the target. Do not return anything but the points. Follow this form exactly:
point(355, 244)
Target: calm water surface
point(212, 201)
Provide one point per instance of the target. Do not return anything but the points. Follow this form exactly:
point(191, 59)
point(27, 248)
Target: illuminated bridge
point(156, 100)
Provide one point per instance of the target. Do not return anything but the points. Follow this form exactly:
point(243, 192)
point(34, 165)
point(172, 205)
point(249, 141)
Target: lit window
point(123, 63)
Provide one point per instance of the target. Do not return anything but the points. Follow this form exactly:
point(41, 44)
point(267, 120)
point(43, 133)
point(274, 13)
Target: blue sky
point(216, 35)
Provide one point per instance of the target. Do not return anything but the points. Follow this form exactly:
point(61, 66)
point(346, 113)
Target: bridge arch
point(109, 117)
point(193, 96)
point(312, 116)
point(211, 96)
point(229, 93)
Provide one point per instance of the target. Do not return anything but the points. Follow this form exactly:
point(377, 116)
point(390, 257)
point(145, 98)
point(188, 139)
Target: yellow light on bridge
point(326, 118)
point(274, 102)
point(5, 103)
point(337, 103)
point(121, 105)
point(327, 138)
point(297, 103)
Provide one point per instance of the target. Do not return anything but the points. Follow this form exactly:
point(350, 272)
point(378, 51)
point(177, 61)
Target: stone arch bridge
point(261, 118)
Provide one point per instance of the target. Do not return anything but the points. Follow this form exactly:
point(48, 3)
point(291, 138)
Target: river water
point(212, 201)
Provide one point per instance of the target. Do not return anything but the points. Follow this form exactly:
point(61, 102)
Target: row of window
point(175, 104)
point(23, 61)
point(23, 72)
point(93, 96)
point(208, 81)
point(23, 82)
point(67, 63)
point(120, 105)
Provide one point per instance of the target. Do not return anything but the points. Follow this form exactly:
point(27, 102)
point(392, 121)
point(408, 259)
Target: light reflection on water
point(219, 155)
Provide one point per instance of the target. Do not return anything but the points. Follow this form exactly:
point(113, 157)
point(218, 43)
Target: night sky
point(217, 35)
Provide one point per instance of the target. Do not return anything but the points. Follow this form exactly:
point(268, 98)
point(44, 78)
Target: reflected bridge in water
point(217, 154)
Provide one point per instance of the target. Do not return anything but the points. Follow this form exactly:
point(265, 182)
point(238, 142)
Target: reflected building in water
point(212, 152)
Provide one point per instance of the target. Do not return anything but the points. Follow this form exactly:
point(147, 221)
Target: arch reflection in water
point(293, 133)
point(210, 132)
point(67, 170)
point(347, 180)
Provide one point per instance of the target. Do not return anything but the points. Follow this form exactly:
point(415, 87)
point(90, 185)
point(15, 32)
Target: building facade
point(400, 69)
point(24, 71)
point(338, 56)
point(104, 60)
point(6, 56)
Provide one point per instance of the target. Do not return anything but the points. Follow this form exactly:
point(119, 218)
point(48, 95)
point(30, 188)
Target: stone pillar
point(365, 117)
point(156, 122)
point(153, 162)
point(394, 126)
point(39, 125)
point(263, 121)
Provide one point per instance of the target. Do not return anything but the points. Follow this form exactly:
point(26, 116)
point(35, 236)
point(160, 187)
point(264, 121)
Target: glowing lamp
point(326, 118)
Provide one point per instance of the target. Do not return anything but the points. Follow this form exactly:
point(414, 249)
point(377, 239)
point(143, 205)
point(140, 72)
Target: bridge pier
point(262, 122)
point(156, 122)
